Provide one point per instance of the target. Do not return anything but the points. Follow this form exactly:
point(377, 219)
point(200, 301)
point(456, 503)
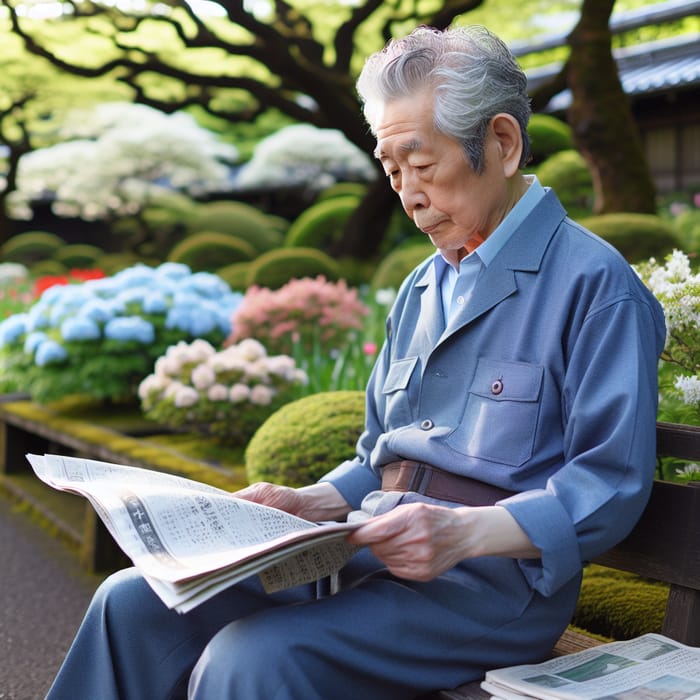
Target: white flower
point(261, 395)
point(239, 393)
point(689, 388)
point(250, 349)
point(217, 392)
point(152, 383)
point(203, 377)
point(385, 297)
point(185, 397)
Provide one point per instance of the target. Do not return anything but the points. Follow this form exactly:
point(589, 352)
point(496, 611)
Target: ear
point(509, 142)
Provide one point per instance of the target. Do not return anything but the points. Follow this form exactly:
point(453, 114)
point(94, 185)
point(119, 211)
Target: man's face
point(429, 171)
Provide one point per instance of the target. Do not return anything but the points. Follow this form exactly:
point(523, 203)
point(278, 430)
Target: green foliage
point(637, 236)
point(548, 135)
point(322, 224)
point(619, 605)
point(392, 271)
point(306, 438)
point(235, 275)
point(247, 223)
point(209, 250)
point(47, 267)
point(78, 256)
point(30, 247)
point(568, 174)
point(276, 267)
point(342, 189)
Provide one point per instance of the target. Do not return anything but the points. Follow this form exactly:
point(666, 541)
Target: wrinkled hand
point(420, 541)
point(282, 497)
point(315, 502)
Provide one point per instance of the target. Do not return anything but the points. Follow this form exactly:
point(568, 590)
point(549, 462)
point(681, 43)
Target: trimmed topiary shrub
point(208, 251)
point(548, 135)
point(637, 236)
point(619, 605)
point(238, 219)
point(30, 247)
point(276, 267)
point(392, 271)
point(341, 189)
point(322, 223)
point(235, 275)
point(306, 438)
point(568, 173)
point(47, 267)
point(78, 255)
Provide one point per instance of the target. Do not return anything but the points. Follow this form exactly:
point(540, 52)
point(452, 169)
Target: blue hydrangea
point(79, 328)
point(137, 276)
point(50, 352)
point(155, 302)
point(179, 317)
point(12, 329)
point(33, 340)
point(205, 284)
point(130, 328)
point(173, 271)
point(98, 310)
point(38, 316)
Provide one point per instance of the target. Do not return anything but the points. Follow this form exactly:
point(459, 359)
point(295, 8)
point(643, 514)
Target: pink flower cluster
point(302, 311)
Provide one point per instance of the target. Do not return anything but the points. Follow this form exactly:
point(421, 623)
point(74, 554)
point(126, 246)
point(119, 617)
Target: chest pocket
point(396, 394)
point(500, 418)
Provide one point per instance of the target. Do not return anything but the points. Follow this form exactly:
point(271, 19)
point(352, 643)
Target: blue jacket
point(573, 336)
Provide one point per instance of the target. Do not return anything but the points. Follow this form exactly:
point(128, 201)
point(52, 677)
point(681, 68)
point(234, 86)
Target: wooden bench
point(664, 546)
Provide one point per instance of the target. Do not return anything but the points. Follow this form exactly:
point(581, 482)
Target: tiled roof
point(644, 69)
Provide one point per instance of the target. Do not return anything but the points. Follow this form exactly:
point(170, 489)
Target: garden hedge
point(238, 219)
point(209, 250)
point(568, 174)
point(392, 271)
point(276, 267)
point(30, 247)
point(321, 225)
point(78, 256)
point(306, 438)
point(548, 135)
point(637, 236)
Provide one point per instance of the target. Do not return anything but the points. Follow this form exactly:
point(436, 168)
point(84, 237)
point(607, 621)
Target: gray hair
point(472, 72)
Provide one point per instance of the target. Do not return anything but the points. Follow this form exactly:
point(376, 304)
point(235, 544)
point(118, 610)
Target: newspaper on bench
point(191, 540)
point(648, 667)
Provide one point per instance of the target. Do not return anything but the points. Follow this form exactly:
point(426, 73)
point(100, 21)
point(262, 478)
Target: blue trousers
point(379, 638)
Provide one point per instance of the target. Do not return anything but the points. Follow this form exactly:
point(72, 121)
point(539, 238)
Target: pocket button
point(497, 387)
point(426, 424)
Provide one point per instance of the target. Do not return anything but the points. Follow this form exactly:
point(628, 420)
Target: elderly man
point(509, 432)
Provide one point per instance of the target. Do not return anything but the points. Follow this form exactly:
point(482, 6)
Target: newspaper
point(649, 667)
point(191, 540)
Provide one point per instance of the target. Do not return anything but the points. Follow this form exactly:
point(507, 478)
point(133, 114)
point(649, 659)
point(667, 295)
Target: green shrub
point(208, 251)
point(568, 174)
point(548, 135)
point(619, 605)
point(321, 225)
point(341, 189)
point(47, 267)
point(276, 267)
point(637, 236)
point(30, 247)
point(392, 271)
point(235, 275)
point(111, 263)
point(78, 256)
point(238, 219)
point(306, 438)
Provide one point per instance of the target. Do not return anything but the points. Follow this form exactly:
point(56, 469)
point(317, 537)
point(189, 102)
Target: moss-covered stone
point(306, 438)
point(618, 604)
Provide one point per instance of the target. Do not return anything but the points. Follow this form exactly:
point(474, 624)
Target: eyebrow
point(407, 147)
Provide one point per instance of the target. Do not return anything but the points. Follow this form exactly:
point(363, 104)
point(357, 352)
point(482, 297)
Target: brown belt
point(436, 483)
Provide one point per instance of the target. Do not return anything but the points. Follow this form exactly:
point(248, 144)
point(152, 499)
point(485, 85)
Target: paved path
point(43, 595)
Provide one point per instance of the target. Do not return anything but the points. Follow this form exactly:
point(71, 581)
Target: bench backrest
point(665, 543)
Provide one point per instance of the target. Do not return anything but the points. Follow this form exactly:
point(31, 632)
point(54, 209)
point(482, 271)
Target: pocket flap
point(507, 381)
point(399, 374)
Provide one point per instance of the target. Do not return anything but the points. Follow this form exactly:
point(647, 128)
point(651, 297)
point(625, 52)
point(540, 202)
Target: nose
point(413, 195)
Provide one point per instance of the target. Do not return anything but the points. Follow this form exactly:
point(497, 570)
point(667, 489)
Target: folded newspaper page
point(650, 667)
point(191, 540)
